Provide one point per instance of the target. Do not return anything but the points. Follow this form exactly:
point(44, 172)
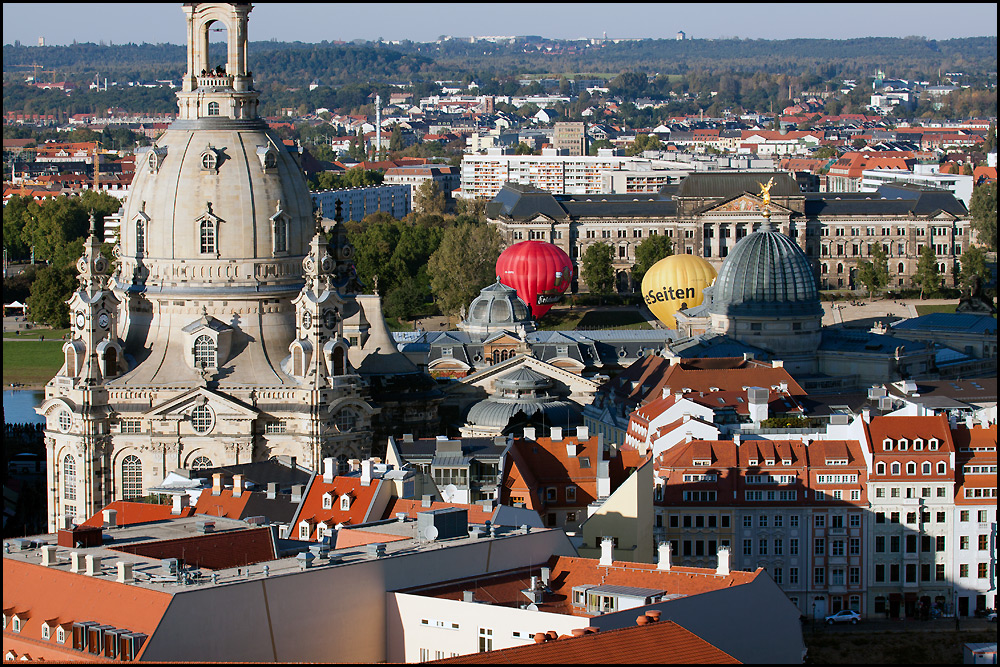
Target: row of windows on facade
point(208, 236)
point(909, 570)
point(131, 476)
point(764, 496)
point(543, 234)
point(925, 517)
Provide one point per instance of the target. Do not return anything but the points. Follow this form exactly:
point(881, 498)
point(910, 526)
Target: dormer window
point(895, 468)
point(268, 157)
point(345, 502)
point(933, 444)
point(204, 352)
point(206, 237)
point(304, 528)
point(942, 468)
point(769, 462)
point(911, 468)
point(786, 462)
point(702, 462)
point(327, 501)
point(16, 624)
point(279, 231)
point(887, 445)
point(925, 469)
point(46, 632)
point(918, 444)
point(752, 462)
point(880, 468)
point(61, 635)
point(903, 444)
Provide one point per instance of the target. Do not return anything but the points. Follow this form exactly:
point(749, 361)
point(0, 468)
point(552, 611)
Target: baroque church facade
point(222, 333)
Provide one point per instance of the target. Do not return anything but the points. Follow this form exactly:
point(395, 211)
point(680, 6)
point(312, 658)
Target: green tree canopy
point(463, 264)
point(429, 198)
point(927, 276)
point(983, 208)
point(874, 274)
point(597, 269)
point(50, 291)
point(648, 253)
point(974, 266)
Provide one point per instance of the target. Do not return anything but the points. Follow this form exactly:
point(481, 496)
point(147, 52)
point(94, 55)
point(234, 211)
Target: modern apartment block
point(484, 175)
point(357, 203)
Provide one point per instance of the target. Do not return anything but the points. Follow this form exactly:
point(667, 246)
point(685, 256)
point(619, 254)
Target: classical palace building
point(221, 333)
point(708, 213)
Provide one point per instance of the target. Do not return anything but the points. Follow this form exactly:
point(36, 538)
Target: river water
point(19, 404)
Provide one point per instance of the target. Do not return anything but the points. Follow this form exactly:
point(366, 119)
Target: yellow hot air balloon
point(675, 283)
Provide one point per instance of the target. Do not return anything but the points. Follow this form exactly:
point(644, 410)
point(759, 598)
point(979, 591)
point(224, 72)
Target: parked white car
point(844, 616)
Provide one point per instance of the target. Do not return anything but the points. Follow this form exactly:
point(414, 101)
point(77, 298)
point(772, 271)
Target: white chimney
point(75, 561)
point(297, 490)
point(49, 555)
point(272, 490)
point(93, 565)
point(736, 439)
point(723, 568)
point(110, 518)
point(366, 472)
point(665, 392)
point(665, 551)
point(124, 572)
point(217, 484)
point(556, 433)
point(583, 433)
point(329, 471)
point(529, 432)
point(607, 552)
point(237, 486)
point(603, 479)
point(570, 449)
point(180, 503)
point(757, 398)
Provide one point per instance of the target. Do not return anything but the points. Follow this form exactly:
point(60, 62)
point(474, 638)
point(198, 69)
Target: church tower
point(219, 337)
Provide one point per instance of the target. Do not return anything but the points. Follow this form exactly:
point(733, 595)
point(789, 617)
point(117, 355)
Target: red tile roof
point(223, 504)
point(504, 589)
point(131, 513)
point(359, 505)
point(662, 642)
point(51, 594)
point(215, 551)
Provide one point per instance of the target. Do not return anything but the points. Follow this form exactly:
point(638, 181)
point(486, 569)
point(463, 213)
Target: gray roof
point(849, 340)
point(893, 199)
point(766, 274)
point(726, 184)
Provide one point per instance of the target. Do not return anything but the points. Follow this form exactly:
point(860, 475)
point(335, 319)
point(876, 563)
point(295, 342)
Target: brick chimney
point(237, 486)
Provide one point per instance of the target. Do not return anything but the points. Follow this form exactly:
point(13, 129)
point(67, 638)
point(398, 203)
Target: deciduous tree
point(597, 269)
point(983, 208)
point(648, 253)
point(874, 274)
point(429, 198)
point(463, 264)
point(927, 276)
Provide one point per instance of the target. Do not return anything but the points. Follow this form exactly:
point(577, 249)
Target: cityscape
point(656, 347)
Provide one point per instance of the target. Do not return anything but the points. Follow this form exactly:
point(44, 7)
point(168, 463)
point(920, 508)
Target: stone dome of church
point(766, 275)
point(498, 308)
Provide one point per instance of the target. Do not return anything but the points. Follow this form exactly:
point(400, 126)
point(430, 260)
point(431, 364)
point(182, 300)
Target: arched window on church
point(131, 477)
point(339, 366)
point(69, 477)
point(207, 236)
point(204, 352)
point(110, 362)
point(900, 268)
point(140, 237)
point(280, 234)
point(213, 108)
point(201, 463)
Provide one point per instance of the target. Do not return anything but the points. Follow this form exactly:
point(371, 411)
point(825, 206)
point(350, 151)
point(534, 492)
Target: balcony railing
point(215, 81)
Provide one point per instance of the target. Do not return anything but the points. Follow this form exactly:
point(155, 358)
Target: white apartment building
point(483, 175)
point(975, 521)
point(922, 174)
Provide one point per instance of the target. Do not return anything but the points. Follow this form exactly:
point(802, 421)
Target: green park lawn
point(34, 334)
point(938, 308)
point(31, 362)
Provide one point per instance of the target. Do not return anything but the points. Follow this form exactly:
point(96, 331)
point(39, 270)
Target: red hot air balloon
point(539, 271)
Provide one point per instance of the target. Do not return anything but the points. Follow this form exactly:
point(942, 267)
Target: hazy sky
point(161, 22)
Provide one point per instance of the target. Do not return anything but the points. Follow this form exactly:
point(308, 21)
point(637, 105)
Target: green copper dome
point(766, 275)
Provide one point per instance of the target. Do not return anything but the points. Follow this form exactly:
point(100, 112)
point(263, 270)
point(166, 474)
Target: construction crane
point(36, 70)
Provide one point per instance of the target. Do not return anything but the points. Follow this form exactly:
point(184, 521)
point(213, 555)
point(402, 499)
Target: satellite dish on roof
point(430, 533)
point(532, 607)
point(450, 492)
